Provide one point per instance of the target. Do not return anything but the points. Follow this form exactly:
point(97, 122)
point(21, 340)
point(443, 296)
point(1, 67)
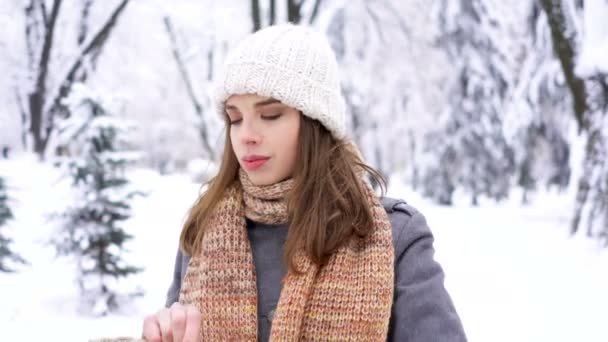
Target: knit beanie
point(291, 63)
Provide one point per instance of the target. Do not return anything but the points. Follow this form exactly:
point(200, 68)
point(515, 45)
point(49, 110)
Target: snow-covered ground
point(513, 272)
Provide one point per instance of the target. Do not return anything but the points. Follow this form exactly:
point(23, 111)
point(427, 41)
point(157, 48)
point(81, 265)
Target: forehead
point(249, 100)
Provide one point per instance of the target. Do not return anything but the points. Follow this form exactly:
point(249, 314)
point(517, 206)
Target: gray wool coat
point(422, 308)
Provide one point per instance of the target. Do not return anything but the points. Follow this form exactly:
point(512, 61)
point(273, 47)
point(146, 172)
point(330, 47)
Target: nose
point(250, 134)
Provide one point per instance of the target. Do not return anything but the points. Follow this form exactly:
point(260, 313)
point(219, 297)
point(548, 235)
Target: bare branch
point(90, 49)
point(84, 21)
point(181, 66)
point(94, 46)
point(23, 114)
point(31, 34)
point(315, 12)
point(83, 32)
point(43, 13)
point(189, 86)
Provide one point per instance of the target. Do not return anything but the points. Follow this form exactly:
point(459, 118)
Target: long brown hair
point(326, 206)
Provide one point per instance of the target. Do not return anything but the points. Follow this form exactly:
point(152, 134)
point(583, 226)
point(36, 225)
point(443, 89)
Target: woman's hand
point(178, 323)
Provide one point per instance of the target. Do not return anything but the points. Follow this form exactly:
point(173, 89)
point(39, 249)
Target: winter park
point(487, 119)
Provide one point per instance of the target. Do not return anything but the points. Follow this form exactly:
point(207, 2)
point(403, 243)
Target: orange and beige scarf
point(348, 299)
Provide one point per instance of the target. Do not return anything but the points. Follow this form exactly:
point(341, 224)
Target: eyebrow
point(259, 104)
point(267, 102)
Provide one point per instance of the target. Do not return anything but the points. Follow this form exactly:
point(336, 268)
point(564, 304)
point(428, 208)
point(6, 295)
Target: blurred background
point(489, 116)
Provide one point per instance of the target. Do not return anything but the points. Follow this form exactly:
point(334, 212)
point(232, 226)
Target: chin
point(258, 179)
point(262, 180)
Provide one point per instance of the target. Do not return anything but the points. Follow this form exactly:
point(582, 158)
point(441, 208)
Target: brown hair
point(326, 206)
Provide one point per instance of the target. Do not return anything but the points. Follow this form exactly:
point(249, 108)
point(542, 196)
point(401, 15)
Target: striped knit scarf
point(349, 298)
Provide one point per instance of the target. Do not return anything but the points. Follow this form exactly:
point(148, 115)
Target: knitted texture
point(348, 299)
point(293, 64)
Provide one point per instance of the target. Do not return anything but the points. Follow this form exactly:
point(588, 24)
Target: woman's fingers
point(193, 324)
point(164, 321)
point(176, 324)
point(151, 329)
point(178, 321)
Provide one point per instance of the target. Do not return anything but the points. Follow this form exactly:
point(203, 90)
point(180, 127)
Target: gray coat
point(422, 309)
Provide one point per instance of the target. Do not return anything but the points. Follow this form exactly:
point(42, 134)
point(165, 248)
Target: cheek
point(292, 140)
point(236, 149)
point(233, 138)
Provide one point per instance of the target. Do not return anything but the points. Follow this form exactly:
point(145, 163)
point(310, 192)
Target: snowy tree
point(201, 100)
point(97, 154)
point(579, 40)
point(469, 149)
point(209, 51)
point(537, 116)
point(7, 256)
point(46, 80)
point(390, 99)
point(294, 11)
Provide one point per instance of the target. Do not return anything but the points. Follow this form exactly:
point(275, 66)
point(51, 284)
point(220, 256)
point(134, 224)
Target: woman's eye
point(234, 119)
point(271, 117)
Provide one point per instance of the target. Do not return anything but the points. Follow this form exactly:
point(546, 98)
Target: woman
point(289, 242)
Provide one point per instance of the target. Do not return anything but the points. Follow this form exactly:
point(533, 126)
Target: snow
point(45, 292)
point(513, 272)
point(594, 55)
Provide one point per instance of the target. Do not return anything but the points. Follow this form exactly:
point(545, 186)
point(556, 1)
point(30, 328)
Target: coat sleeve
point(179, 271)
point(422, 309)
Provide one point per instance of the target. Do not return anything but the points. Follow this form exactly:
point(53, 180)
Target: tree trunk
point(36, 97)
point(255, 15)
point(273, 12)
point(293, 11)
point(43, 105)
point(564, 50)
point(587, 117)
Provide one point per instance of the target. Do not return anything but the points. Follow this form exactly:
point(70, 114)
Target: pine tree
point(92, 227)
point(469, 150)
point(540, 114)
point(7, 257)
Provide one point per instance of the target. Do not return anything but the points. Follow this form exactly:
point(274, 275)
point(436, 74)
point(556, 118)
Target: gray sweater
point(422, 309)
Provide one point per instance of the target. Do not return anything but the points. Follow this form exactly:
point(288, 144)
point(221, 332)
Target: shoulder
point(408, 223)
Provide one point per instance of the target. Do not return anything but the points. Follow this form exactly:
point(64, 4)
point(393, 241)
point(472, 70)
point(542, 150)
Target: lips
point(252, 163)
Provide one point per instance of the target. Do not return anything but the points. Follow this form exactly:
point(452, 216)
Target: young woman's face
point(264, 135)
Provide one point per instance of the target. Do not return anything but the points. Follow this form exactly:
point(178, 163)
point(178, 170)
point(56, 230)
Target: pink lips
point(254, 162)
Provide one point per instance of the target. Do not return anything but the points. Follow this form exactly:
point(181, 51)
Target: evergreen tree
point(468, 149)
point(7, 257)
point(92, 227)
point(540, 114)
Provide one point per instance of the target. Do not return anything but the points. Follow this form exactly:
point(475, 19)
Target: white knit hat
point(291, 63)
